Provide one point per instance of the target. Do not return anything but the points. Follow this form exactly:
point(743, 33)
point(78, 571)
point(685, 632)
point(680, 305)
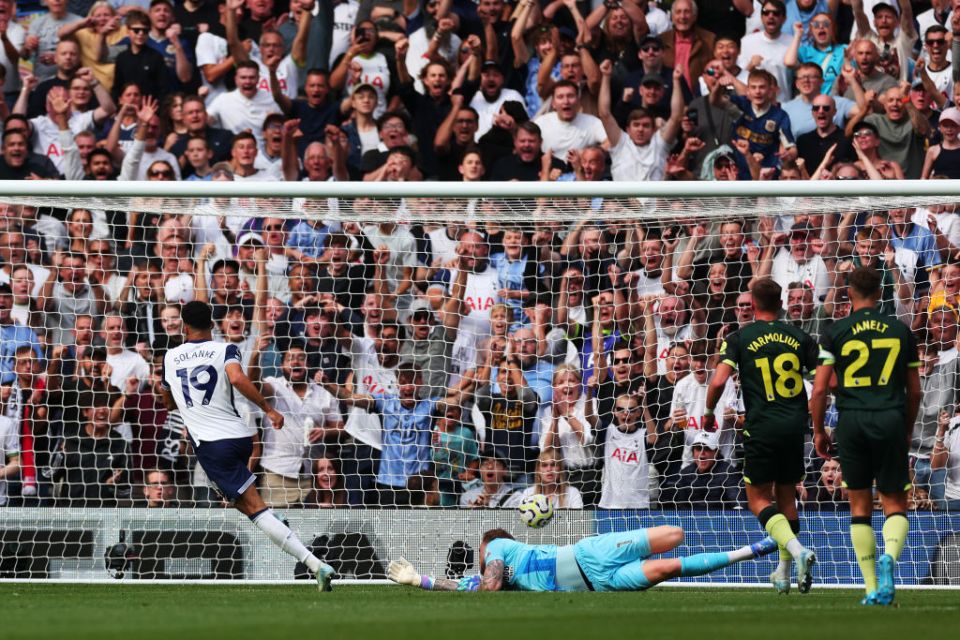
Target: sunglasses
point(821, 107)
point(621, 361)
point(650, 48)
point(863, 133)
point(160, 174)
point(935, 42)
point(770, 12)
point(820, 24)
point(139, 30)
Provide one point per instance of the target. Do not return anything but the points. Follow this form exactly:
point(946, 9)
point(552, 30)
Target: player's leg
point(891, 457)
point(251, 504)
point(856, 461)
point(644, 574)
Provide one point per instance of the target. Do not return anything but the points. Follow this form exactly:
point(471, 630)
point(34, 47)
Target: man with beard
point(796, 262)
point(429, 345)
point(668, 320)
point(18, 163)
point(454, 136)
point(337, 276)
point(491, 96)
point(311, 416)
point(526, 162)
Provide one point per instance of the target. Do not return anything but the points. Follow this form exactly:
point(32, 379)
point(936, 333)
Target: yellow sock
point(865, 546)
point(779, 529)
point(895, 529)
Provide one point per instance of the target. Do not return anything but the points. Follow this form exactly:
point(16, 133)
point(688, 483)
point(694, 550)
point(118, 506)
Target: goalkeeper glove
point(402, 572)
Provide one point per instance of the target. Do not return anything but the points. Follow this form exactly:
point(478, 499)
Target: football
point(536, 511)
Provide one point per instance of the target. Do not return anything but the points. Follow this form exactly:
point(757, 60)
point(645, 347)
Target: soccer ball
point(536, 511)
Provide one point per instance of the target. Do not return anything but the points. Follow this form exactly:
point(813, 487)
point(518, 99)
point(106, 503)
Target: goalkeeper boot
point(324, 577)
point(764, 547)
point(871, 600)
point(805, 563)
point(885, 587)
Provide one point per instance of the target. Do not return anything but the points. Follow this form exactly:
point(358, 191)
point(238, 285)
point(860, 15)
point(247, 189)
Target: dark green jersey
point(771, 358)
point(870, 353)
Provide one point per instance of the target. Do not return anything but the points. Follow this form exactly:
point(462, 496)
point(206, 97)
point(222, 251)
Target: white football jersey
point(195, 374)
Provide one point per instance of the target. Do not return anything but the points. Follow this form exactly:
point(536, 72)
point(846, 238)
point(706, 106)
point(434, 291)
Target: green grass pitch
point(212, 612)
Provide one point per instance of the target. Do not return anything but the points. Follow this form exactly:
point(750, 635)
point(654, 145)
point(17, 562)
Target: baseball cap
point(5, 289)
point(490, 64)
point(648, 39)
point(866, 125)
point(952, 114)
point(801, 227)
point(366, 86)
point(885, 5)
point(707, 440)
point(652, 78)
point(421, 308)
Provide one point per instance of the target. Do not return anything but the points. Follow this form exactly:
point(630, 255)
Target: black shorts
point(873, 446)
point(773, 457)
point(225, 463)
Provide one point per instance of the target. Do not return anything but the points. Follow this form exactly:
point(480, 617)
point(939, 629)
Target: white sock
point(794, 547)
point(738, 555)
point(281, 535)
point(783, 569)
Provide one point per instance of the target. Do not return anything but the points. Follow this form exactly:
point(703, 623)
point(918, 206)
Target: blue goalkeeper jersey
point(526, 567)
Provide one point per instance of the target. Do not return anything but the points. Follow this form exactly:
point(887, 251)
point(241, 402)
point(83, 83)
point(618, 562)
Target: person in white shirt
point(689, 405)
point(199, 380)
point(570, 422)
point(895, 45)
point(640, 153)
point(9, 454)
point(566, 127)
point(797, 262)
point(344, 17)
point(362, 64)
point(626, 469)
point(550, 480)
point(491, 96)
point(213, 59)
point(311, 415)
point(269, 53)
point(767, 49)
point(125, 364)
point(246, 107)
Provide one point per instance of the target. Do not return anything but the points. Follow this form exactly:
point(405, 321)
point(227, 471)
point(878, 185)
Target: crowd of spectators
point(468, 364)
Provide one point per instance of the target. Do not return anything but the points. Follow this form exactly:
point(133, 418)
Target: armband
point(707, 411)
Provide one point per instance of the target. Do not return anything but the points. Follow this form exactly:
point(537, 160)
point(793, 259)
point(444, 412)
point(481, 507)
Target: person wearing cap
point(707, 482)
point(362, 63)
point(893, 35)
point(944, 159)
point(797, 262)
point(491, 96)
point(429, 344)
point(767, 49)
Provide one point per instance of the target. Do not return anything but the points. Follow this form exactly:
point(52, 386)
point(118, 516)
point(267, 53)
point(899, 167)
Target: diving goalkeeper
point(608, 562)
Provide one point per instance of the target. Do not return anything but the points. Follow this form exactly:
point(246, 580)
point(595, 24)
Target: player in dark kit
point(878, 395)
point(771, 357)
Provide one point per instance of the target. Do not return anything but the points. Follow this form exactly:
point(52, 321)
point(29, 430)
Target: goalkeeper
point(618, 561)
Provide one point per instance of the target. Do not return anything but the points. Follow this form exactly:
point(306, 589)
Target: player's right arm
point(914, 395)
point(242, 383)
point(492, 579)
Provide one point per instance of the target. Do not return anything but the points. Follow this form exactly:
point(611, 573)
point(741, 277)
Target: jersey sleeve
point(232, 354)
point(730, 350)
point(911, 355)
point(826, 352)
point(163, 373)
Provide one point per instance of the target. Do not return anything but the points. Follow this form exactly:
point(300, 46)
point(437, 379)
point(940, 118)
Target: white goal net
point(507, 341)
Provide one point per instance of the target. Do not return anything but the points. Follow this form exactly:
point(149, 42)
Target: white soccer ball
point(536, 511)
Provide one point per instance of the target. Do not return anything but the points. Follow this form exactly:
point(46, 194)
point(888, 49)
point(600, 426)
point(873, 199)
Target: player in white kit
point(199, 379)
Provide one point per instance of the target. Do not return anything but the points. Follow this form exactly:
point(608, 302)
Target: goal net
point(440, 353)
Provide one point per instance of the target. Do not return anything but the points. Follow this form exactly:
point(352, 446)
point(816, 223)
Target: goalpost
point(505, 307)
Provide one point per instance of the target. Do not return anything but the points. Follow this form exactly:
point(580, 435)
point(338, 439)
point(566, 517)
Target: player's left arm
point(242, 383)
point(492, 579)
point(914, 392)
